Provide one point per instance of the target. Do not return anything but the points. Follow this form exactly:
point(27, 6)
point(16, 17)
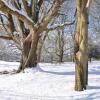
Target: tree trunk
point(29, 56)
point(39, 52)
point(81, 47)
point(60, 45)
point(61, 56)
point(40, 46)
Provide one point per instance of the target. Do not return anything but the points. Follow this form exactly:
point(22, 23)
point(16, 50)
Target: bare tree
point(30, 25)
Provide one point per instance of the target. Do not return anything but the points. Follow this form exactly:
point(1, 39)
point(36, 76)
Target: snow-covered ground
point(47, 82)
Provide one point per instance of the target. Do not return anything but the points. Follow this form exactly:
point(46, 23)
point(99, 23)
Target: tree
point(81, 45)
point(30, 23)
point(40, 46)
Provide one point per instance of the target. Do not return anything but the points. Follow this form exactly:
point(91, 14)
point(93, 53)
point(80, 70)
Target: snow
point(47, 82)
point(22, 12)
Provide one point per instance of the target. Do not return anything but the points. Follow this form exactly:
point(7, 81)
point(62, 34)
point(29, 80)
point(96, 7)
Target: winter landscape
point(49, 49)
point(48, 82)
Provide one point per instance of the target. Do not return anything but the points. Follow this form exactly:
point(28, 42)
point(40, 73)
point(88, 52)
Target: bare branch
point(61, 26)
point(51, 14)
point(11, 24)
point(7, 9)
point(34, 10)
point(27, 8)
point(40, 3)
point(6, 37)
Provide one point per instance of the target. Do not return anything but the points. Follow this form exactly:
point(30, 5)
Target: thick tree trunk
point(81, 47)
point(29, 56)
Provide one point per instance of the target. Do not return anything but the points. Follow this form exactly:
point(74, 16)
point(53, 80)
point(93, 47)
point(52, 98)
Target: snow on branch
point(51, 14)
point(60, 26)
point(6, 8)
point(88, 3)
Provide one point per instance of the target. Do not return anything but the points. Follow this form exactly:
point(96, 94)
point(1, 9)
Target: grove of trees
point(58, 28)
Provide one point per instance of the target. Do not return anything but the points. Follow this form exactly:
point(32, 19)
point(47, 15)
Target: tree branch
point(6, 37)
point(40, 3)
point(88, 3)
point(61, 26)
point(7, 9)
point(27, 8)
point(51, 14)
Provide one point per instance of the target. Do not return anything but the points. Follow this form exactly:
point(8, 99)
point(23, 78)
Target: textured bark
point(81, 46)
point(32, 56)
point(29, 56)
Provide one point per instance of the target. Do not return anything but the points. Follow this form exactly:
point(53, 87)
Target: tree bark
point(40, 46)
point(81, 46)
point(29, 56)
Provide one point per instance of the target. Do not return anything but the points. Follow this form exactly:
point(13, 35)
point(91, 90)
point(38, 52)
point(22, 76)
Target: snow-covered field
point(47, 82)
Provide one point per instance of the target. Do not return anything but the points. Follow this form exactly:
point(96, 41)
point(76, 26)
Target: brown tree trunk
point(60, 45)
point(29, 56)
point(81, 46)
point(61, 57)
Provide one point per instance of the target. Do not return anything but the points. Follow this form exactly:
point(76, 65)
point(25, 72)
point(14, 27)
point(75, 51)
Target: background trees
point(28, 16)
point(43, 30)
point(20, 27)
